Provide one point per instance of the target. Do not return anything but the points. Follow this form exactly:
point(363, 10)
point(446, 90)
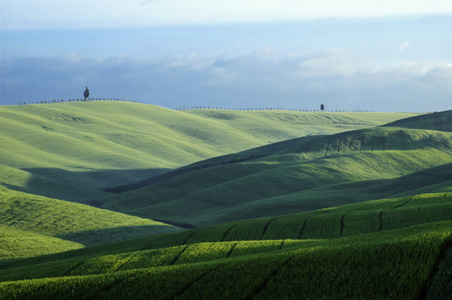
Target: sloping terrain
point(294, 175)
point(399, 248)
point(387, 249)
point(73, 151)
point(15, 243)
point(69, 221)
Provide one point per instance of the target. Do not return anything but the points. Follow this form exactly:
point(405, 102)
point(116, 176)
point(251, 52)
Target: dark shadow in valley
point(108, 235)
point(84, 186)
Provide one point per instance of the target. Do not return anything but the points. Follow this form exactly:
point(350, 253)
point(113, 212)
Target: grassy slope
point(15, 243)
point(293, 176)
point(66, 150)
point(387, 249)
point(71, 221)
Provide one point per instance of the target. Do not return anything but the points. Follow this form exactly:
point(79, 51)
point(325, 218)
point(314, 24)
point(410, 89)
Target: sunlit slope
point(228, 188)
point(71, 221)
point(386, 249)
point(15, 243)
point(441, 121)
point(101, 144)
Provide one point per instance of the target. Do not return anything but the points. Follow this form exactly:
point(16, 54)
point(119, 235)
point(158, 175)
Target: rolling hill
point(296, 175)
point(272, 220)
point(386, 249)
point(41, 217)
point(73, 151)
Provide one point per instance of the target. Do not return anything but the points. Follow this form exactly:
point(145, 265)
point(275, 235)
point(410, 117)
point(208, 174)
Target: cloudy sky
point(381, 55)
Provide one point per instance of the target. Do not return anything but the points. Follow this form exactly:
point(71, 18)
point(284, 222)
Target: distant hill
point(441, 121)
point(73, 151)
point(296, 175)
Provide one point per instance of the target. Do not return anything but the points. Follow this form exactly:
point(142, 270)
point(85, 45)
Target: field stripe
point(380, 221)
point(266, 227)
point(341, 229)
point(186, 240)
point(404, 203)
point(264, 284)
point(302, 228)
point(440, 279)
point(226, 233)
point(177, 256)
point(72, 268)
point(232, 249)
point(190, 284)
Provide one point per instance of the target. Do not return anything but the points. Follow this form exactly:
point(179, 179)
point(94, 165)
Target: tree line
point(266, 108)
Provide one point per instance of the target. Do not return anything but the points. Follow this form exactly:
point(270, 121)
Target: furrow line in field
point(73, 268)
point(231, 250)
point(186, 240)
point(302, 228)
point(404, 203)
point(190, 284)
point(264, 284)
point(266, 227)
point(226, 233)
point(104, 290)
point(439, 282)
point(341, 229)
point(178, 255)
point(380, 221)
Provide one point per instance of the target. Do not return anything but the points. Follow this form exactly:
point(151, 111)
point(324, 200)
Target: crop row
point(390, 265)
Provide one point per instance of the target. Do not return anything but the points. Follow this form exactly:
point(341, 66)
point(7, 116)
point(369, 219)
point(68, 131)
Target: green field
point(386, 249)
point(296, 175)
point(263, 204)
point(73, 151)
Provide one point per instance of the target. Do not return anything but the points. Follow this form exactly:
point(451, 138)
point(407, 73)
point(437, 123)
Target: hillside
point(271, 219)
point(15, 243)
point(73, 151)
point(44, 217)
point(386, 249)
point(295, 175)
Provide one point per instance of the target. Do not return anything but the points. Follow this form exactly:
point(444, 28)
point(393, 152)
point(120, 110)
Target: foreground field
point(388, 249)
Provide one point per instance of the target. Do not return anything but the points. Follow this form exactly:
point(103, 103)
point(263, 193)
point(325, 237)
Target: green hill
point(15, 243)
point(294, 175)
point(185, 168)
point(386, 249)
point(73, 151)
point(70, 221)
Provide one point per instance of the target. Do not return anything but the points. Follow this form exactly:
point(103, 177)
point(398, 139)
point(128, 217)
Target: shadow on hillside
point(84, 186)
point(108, 235)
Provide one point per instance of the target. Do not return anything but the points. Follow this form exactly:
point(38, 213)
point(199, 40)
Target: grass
point(297, 175)
point(389, 257)
point(393, 248)
point(71, 221)
point(71, 151)
point(16, 243)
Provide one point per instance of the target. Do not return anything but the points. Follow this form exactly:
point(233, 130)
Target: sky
point(376, 55)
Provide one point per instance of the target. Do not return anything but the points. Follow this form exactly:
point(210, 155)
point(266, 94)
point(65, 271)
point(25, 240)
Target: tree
point(86, 93)
point(322, 107)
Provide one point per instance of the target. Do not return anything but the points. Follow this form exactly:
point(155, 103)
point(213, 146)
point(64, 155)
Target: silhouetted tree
point(322, 107)
point(86, 93)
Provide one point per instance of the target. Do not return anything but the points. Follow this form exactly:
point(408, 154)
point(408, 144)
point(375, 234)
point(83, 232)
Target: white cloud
point(403, 46)
point(295, 81)
point(27, 14)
